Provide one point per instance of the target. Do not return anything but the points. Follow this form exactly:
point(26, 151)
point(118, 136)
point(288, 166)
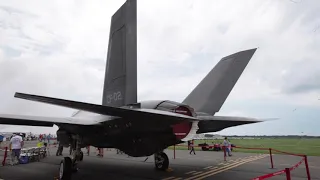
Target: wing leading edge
point(206, 123)
point(11, 119)
point(142, 115)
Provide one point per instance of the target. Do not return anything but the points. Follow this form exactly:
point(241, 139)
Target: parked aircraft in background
point(138, 128)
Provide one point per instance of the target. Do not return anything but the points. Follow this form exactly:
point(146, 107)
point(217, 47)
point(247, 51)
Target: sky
point(58, 49)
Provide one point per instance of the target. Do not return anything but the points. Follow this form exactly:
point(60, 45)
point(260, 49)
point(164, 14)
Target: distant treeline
point(263, 136)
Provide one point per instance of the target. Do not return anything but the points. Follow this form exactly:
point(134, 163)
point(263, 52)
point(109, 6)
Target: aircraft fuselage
point(135, 137)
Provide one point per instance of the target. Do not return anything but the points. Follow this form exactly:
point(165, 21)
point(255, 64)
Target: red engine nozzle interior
point(181, 130)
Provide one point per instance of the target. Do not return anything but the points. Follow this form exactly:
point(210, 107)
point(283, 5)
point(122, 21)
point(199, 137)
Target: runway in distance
point(138, 128)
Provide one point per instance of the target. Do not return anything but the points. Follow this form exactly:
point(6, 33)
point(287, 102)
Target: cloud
point(59, 48)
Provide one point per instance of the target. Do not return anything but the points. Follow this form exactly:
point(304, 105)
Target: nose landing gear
point(65, 169)
point(69, 165)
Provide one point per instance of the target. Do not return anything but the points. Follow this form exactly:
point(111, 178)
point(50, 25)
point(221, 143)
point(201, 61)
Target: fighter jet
point(144, 128)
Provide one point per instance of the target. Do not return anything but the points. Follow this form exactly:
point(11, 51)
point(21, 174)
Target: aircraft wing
point(217, 123)
point(43, 121)
point(143, 115)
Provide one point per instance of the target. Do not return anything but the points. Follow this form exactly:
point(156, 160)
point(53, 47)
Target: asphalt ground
point(203, 165)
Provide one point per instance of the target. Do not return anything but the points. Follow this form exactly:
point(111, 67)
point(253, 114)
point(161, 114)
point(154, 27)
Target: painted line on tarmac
point(313, 167)
point(197, 173)
point(169, 178)
point(229, 162)
point(208, 167)
point(221, 169)
point(190, 172)
point(208, 174)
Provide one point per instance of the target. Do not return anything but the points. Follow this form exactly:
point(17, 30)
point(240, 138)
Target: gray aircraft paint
point(120, 83)
point(213, 90)
point(144, 128)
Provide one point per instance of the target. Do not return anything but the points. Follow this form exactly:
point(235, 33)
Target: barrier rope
point(286, 170)
point(280, 172)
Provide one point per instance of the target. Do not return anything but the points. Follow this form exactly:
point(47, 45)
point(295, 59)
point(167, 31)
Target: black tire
point(161, 161)
point(65, 170)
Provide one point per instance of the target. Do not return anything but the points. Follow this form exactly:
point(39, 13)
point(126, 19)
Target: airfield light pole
point(271, 160)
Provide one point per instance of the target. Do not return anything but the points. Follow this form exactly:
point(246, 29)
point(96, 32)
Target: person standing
point(227, 145)
point(16, 143)
point(1, 138)
point(48, 139)
point(60, 149)
point(192, 147)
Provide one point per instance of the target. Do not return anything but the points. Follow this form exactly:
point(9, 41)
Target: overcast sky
point(58, 48)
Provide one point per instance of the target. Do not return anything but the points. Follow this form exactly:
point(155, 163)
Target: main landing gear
point(161, 161)
point(68, 165)
point(65, 169)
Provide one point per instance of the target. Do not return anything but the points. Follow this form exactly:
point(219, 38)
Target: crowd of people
point(45, 138)
point(17, 143)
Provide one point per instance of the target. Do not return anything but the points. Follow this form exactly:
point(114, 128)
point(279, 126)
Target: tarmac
point(203, 165)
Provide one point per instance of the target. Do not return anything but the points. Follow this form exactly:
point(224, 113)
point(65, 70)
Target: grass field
point(310, 147)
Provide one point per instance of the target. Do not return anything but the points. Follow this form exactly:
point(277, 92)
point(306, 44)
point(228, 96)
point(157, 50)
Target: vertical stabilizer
point(213, 90)
point(120, 84)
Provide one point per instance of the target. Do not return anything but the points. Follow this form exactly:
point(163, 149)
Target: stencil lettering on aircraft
point(116, 96)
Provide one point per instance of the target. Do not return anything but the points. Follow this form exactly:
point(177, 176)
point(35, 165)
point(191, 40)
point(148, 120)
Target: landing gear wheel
point(65, 169)
point(161, 161)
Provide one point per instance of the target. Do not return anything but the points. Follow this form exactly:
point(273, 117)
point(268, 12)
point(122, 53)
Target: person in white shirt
point(16, 143)
point(227, 145)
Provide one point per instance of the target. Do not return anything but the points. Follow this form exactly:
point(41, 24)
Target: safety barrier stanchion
point(5, 156)
point(288, 174)
point(174, 151)
point(307, 166)
point(271, 160)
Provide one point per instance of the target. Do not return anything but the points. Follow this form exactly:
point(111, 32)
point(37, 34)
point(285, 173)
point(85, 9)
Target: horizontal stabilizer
point(218, 123)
